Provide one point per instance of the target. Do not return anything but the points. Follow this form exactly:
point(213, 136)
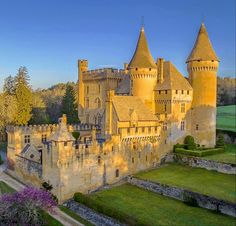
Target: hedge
point(199, 153)
point(103, 209)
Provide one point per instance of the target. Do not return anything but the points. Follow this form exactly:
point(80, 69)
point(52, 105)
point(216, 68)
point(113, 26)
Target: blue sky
point(48, 36)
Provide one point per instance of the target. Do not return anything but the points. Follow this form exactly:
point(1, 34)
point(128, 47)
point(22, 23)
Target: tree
point(39, 114)
point(25, 207)
point(9, 85)
point(69, 106)
point(23, 97)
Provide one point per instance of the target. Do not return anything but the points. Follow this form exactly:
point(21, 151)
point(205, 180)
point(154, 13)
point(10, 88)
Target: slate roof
point(125, 105)
point(124, 86)
point(142, 57)
point(173, 79)
point(202, 49)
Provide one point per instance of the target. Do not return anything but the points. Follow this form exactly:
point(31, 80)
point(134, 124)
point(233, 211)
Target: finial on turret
point(142, 23)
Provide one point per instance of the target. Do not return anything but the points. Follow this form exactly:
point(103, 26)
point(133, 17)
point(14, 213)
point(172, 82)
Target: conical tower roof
point(202, 49)
point(142, 57)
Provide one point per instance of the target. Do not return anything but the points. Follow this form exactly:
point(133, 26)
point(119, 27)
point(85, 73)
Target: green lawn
point(212, 183)
point(153, 209)
point(75, 216)
point(225, 119)
point(229, 156)
point(4, 188)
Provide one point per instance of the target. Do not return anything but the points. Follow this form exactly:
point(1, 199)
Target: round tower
point(143, 72)
point(202, 66)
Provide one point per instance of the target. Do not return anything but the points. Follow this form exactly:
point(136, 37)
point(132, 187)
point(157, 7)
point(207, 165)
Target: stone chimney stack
point(160, 62)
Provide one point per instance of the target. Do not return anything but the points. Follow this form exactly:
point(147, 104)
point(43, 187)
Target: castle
point(130, 120)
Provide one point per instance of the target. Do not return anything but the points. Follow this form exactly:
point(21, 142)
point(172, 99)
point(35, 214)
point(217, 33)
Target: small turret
point(143, 72)
point(82, 67)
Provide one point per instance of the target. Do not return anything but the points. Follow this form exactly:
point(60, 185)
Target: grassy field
point(153, 209)
point(212, 183)
point(229, 156)
point(4, 188)
point(225, 119)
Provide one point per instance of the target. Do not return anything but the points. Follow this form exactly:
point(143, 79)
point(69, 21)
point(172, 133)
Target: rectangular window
point(165, 107)
point(99, 89)
point(166, 91)
point(143, 129)
point(65, 144)
point(188, 92)
point(197, 127)
point(132, 159)
point(87, 89)
point(136, 129)
point(182, 92)
point(182, 126)
point(159, 91)
point(44, 138)
point(128, 130)
point(183, 108)
point(176, 91)
point(27, 139)
point(164, 126)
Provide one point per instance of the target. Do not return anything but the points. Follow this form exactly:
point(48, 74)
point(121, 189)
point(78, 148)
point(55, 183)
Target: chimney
point(160, 62)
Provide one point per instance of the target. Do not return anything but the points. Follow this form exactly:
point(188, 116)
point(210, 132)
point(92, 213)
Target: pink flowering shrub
point(25, 207)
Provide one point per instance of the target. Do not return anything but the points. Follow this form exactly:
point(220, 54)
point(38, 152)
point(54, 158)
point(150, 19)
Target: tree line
point(21, 105)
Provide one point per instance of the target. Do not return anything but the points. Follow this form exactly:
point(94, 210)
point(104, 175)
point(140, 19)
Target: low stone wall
point(90, 215)
point(189, 197)
point(192, 161)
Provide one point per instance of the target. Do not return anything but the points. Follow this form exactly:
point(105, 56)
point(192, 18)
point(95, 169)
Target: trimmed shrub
point(190, 201)
point(199, 153)
point(76, 135)
point(220, 141)
point(102, 208)
point(189, 142)
point(178, 146)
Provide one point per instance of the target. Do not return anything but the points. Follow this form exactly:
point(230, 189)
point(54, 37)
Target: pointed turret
point(142, 57)
point(202, 49)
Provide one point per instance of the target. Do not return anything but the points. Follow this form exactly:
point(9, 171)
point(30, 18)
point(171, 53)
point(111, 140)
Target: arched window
point(98, 102)
point(117, 173)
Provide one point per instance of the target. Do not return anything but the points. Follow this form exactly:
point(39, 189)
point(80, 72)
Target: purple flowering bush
point(25, 207)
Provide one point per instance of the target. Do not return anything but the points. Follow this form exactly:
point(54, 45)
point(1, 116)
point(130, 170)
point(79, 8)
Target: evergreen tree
point(23, 97)
point(9, 85)
point(69, 106)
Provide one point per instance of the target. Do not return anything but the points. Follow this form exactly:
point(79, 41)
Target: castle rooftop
point(142, 57)
point(202, 49)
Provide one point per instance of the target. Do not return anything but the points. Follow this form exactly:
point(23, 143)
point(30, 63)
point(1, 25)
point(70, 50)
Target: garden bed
point(199, 152)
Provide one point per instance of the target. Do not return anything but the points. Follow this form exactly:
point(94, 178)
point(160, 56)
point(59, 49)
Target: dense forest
point(20, 105)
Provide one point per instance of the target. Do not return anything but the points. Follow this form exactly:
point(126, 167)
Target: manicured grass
point(153, 209)
point(229, 156)
point(225, 119)
point(212, 183)
point(75, 216)
point(4, 188)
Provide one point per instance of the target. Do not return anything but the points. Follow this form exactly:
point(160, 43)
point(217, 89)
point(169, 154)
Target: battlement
point(49, 127)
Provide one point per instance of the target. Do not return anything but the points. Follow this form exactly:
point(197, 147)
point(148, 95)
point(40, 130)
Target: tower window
point(188, 92)
point(197, 127)
point(143, 129)
point(150, 69)
point(166, 91)
point(117, 173)
point(165, 107)
point(176, 91)
point(99, 89)
point(136, 68)
point(99, 159)
point(87, 89)
point(27, 139)
point(182, 127)
point(182, 92)
point(159, 91)
point(182, 108)
point(132, 159)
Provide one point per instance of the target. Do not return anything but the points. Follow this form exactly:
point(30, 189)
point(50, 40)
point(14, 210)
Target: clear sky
point(48, 36)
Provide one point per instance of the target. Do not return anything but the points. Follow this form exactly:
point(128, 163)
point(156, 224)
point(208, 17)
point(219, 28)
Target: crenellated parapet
point(48, 128)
